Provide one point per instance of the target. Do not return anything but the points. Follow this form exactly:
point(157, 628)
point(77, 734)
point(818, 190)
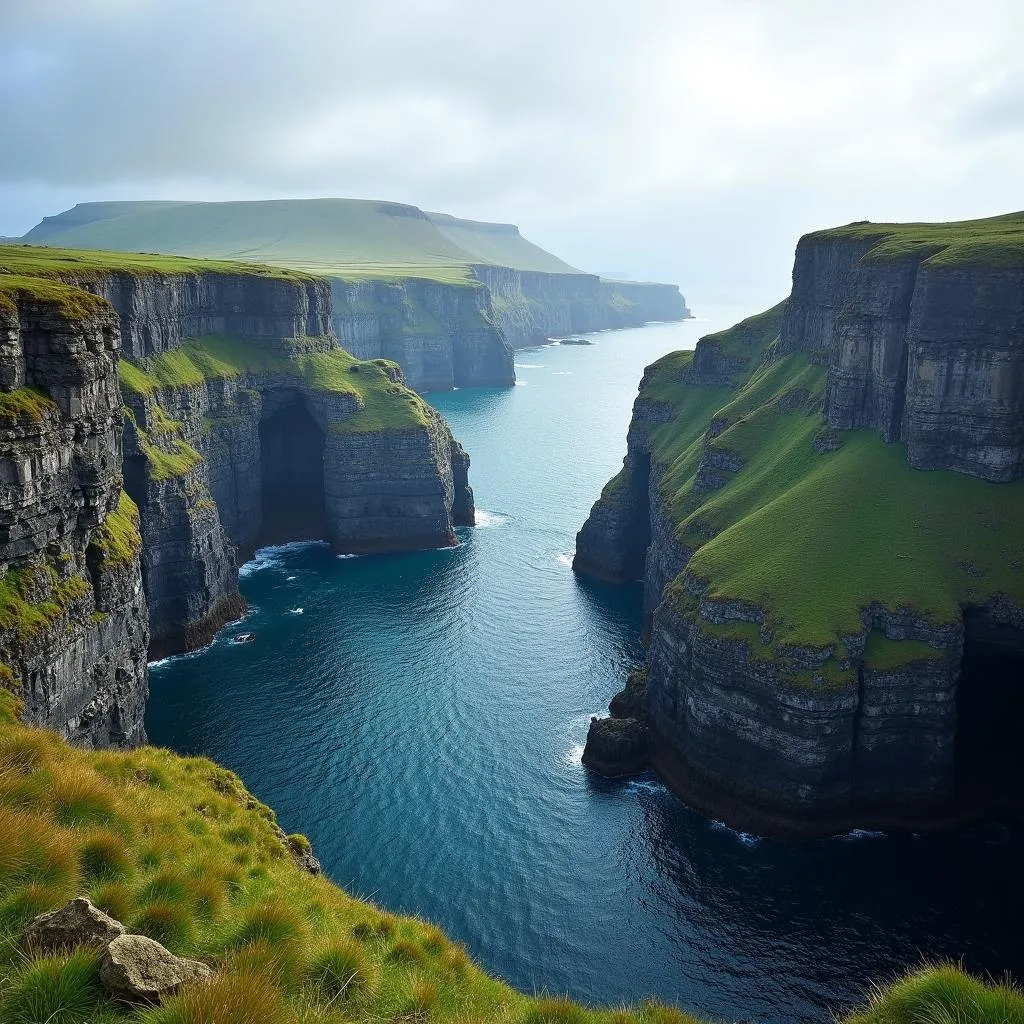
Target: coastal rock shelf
point(834, 618)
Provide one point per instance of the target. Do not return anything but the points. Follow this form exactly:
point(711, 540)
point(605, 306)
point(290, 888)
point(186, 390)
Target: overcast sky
point(670, 140)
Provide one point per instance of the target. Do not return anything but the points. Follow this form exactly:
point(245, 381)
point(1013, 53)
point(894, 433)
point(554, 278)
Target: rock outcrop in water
point(834, 619)
point(243, 423)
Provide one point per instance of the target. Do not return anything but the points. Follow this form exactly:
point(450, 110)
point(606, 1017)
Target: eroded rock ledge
point(832, 633)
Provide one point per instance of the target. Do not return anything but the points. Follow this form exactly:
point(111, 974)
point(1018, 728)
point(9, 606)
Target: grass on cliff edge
point(996, 242)
point(815, 538)
point(40, 273)
point(177, 849)
point(382, 404)
point(41, 261)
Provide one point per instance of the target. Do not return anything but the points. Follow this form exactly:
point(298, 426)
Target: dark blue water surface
point(421, 718)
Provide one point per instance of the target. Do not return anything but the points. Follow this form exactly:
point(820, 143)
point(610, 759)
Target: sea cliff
point(444, 297)
point(826, 506)
point(178, 414)
point(73, 626)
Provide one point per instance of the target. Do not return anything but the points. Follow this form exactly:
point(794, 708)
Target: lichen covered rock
point(138, 969)
point(77, 923)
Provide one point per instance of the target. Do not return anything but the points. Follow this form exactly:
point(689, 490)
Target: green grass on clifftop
point(996, 242)
point(38, 261)
point(348, 238)
point(813, 539)
point(382, 404)
point(175, 848)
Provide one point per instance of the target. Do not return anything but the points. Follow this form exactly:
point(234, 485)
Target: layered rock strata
point(786, 724)
point(257, 432)
point(532, 307)
point(442, 335)
point(73, 621)
point(926, 352)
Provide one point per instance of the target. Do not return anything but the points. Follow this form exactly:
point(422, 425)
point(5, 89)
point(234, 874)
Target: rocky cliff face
point(221, 460)
point(442, 335)
point(73, 624)
point(923, 352)
point(531, 306)
point(257, 432)
point(816, 609)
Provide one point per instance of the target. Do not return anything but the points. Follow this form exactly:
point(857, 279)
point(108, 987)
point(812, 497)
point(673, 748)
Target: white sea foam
point(746, 838)
point(564, 559)
point(575, 755)
point(521, 383)
point(351, 555)
point(485, 518)
point(529, 366)
point(290, 578)
point(297, 611)
point(272, 557)
point(646, 786)
point(561, 373)
point(860, 833)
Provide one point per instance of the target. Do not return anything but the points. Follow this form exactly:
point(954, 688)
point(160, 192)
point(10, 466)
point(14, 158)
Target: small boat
point(245, 638)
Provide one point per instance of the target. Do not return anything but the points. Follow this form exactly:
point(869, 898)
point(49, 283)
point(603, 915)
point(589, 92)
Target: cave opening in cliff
point(990, 714)
point(292, 474)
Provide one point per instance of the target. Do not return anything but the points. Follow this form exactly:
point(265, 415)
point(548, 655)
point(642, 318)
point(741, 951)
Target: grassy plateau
point(996, 242)
point(349, 238)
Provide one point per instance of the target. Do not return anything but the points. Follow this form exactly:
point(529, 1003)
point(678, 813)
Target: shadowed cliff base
point(292, 476)
point(990, 708)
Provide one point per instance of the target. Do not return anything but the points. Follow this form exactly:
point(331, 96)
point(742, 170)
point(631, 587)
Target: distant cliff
point(831, 628)
point(446, 298)
point(244, 423)
point(533, 307)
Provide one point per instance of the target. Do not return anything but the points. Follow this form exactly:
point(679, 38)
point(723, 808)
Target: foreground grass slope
point(812, 525)
point(350, 238)
point(177, 849)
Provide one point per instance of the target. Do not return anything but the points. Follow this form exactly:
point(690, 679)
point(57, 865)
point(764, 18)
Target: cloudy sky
point(671, 140)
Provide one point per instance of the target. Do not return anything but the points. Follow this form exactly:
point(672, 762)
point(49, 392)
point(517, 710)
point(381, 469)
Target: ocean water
point(421, 717)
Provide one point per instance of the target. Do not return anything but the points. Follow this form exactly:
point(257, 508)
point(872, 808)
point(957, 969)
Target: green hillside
point(988, 242)
point(813, 532)
point(341, 237)
point(176, 849)
point(499, 244)
point(333, 236)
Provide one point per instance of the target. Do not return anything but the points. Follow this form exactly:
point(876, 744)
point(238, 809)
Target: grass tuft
point(105, 855)
point(343, 970)
point(555, 1010)
point(231, 997)
point(54, 990)
point(273, 923)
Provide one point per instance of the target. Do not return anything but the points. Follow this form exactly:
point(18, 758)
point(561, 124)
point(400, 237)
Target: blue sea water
point(421, 717)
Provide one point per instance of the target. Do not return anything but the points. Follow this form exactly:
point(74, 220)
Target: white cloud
point(673, 139)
